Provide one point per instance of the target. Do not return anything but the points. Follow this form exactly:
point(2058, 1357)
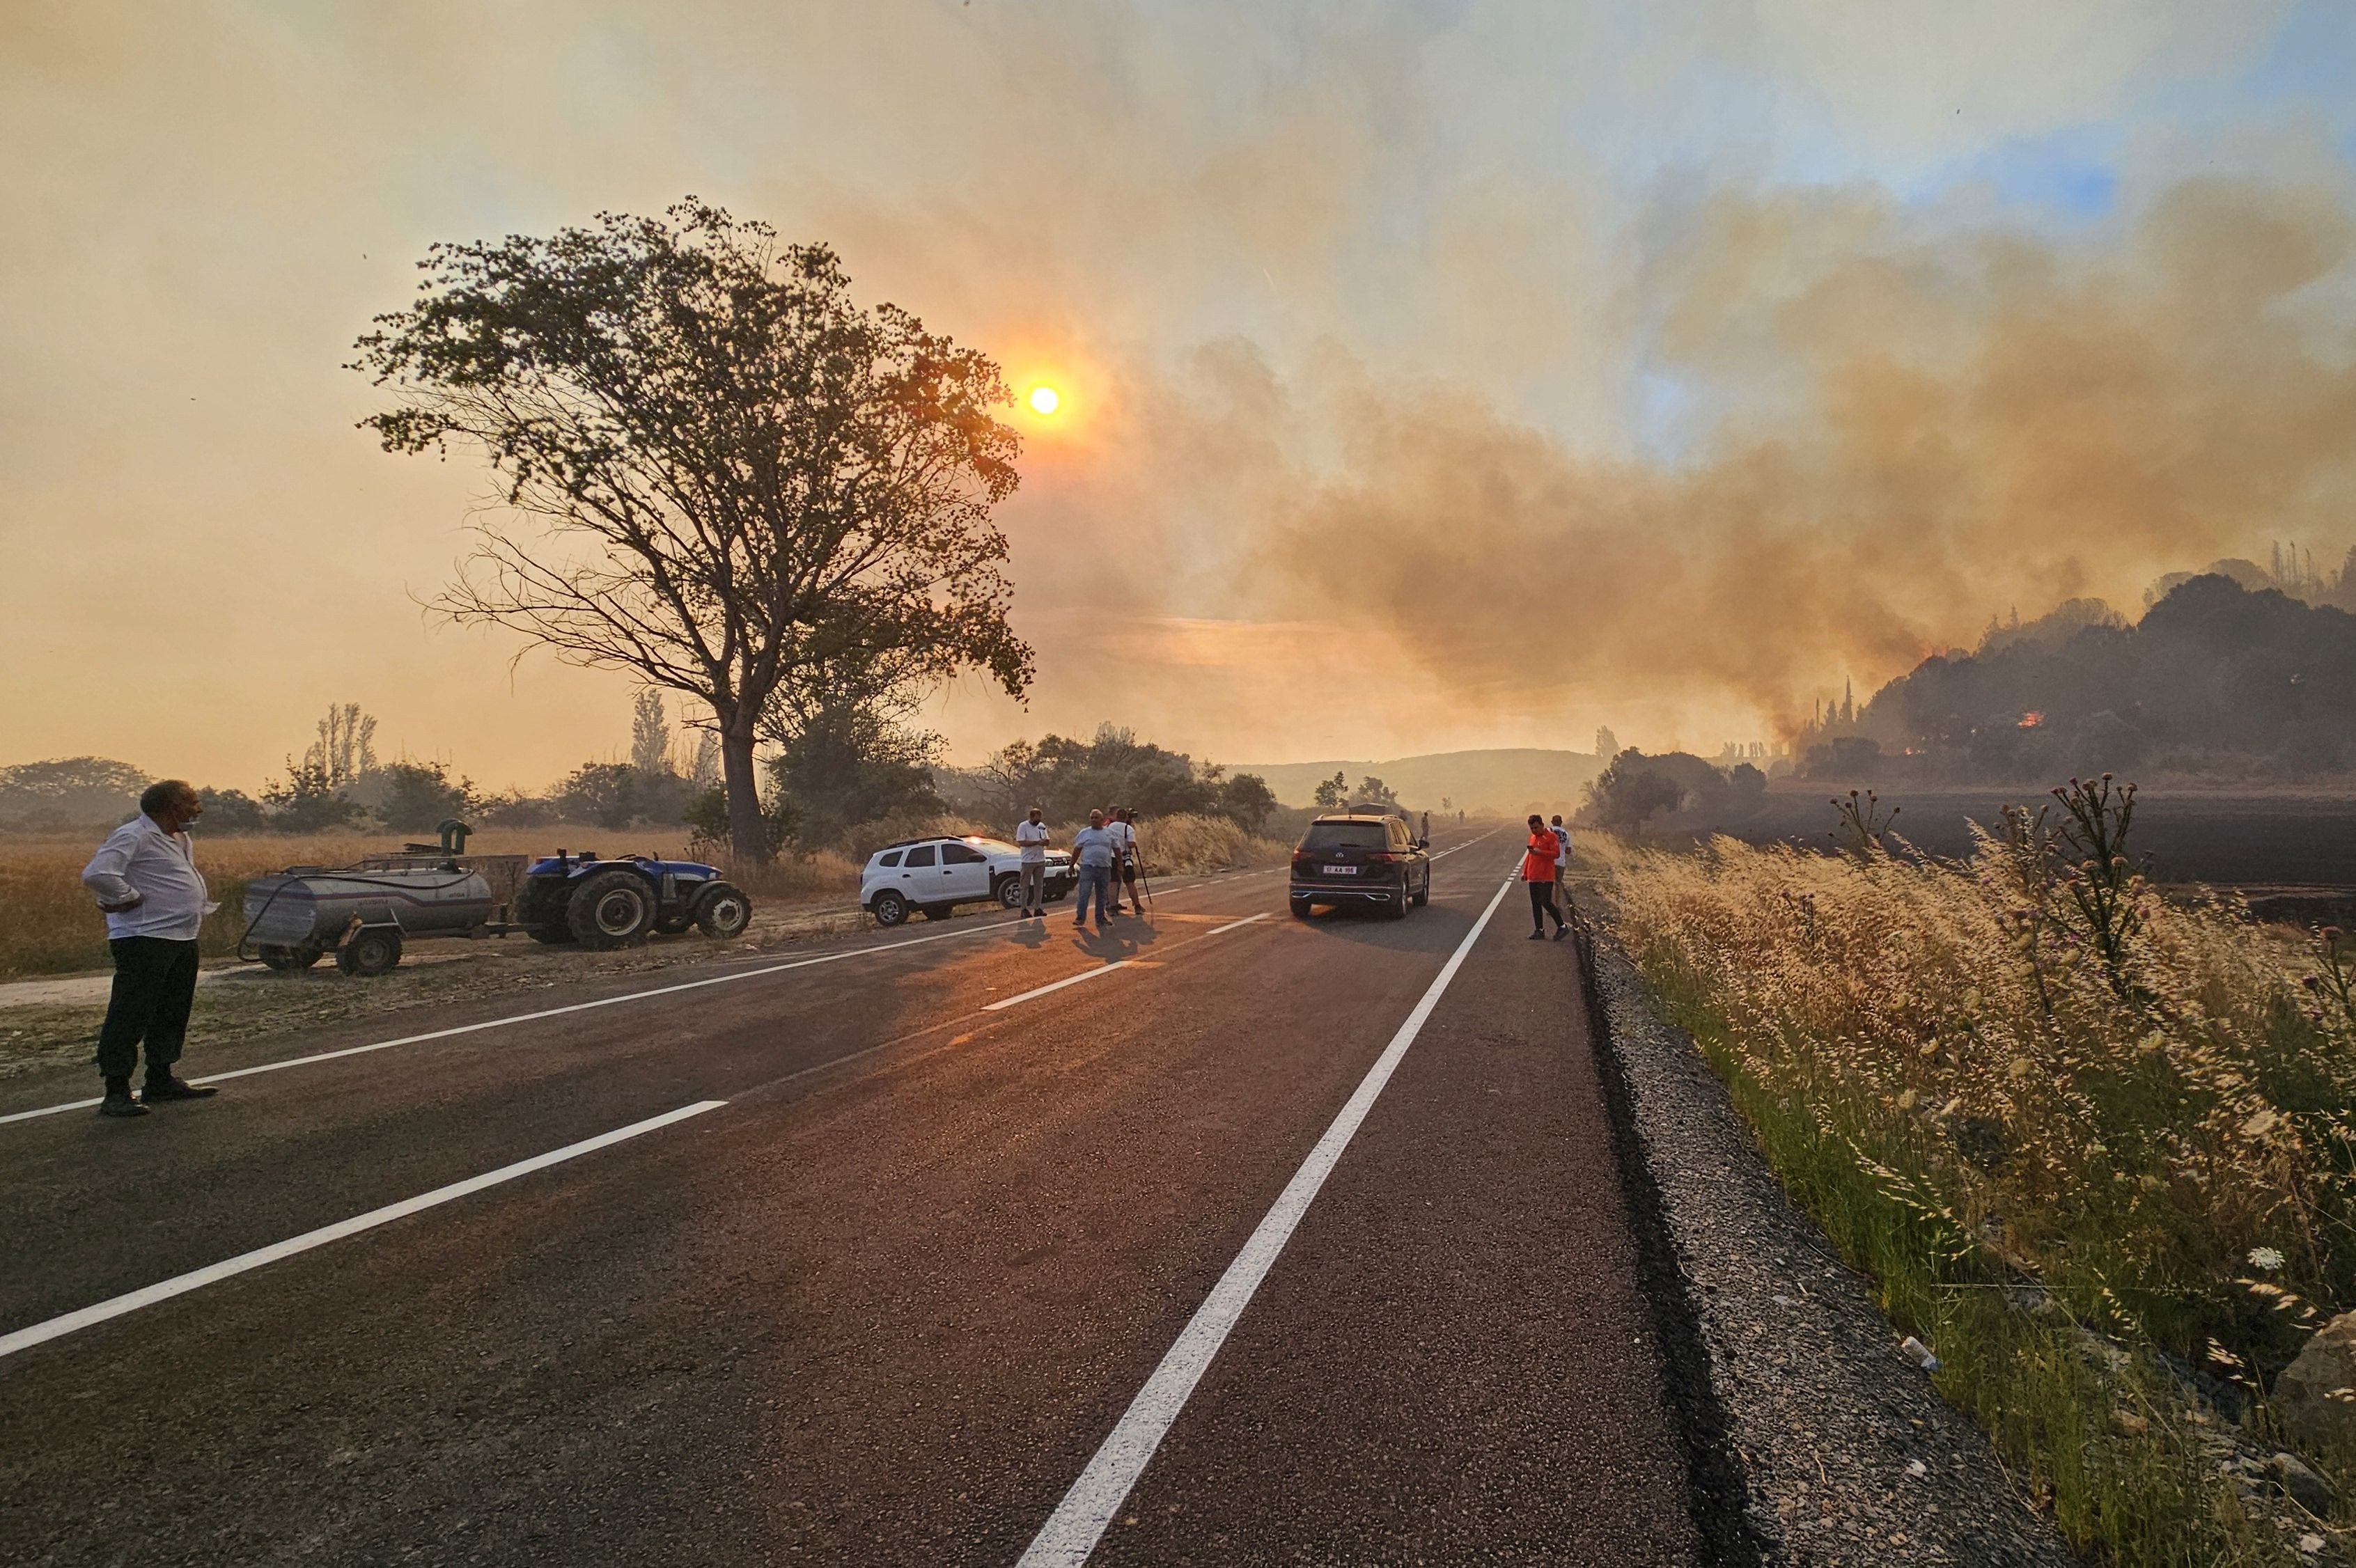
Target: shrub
point(417, 797)
point(231, 811)
point(307, 800)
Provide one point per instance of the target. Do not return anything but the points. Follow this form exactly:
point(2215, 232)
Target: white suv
point(931, 875)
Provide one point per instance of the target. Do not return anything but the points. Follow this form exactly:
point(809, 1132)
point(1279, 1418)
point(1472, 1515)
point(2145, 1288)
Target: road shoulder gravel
point(1814, 1441)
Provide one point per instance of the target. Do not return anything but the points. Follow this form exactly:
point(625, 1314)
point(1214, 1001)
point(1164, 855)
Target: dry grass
point(50, 925)
point(1973, 1084)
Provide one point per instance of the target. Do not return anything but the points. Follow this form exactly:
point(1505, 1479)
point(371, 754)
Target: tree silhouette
point(723, 476)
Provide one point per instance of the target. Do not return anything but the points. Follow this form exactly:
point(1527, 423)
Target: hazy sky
point(1437, 375)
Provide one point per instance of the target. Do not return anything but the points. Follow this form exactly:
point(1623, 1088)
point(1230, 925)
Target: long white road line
point(1452, 849)
point(1072, 1532)
point(546, 1013)
point(1004, 1002)
point(181, 1284)
point(672, 990)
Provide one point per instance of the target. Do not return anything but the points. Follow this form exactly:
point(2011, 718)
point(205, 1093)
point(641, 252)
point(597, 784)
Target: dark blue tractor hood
point(574, 865)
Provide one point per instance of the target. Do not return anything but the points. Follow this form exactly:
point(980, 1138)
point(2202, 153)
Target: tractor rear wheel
point(722, 911)
point(612, 908)
point(289, 959)
point(373, 950)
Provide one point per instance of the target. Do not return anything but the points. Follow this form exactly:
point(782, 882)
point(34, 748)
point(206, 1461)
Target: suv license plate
point(1338, 870)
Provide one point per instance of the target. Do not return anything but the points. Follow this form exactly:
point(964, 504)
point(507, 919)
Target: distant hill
point(2215, 682)
point(1503, 781)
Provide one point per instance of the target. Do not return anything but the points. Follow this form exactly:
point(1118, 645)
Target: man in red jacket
point(1538, 870)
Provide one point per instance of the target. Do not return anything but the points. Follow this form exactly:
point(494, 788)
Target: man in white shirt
point(1030, 838)
point(1124, 859)
point(145, 878)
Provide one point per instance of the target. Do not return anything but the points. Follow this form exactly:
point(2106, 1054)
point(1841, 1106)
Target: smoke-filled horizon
point(1430, 379)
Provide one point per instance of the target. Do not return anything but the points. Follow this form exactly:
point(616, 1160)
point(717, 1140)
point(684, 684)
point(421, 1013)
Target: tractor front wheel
point(612, 908)
point(722, 911)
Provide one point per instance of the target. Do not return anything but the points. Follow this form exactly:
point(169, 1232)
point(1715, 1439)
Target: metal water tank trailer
point(359, 915)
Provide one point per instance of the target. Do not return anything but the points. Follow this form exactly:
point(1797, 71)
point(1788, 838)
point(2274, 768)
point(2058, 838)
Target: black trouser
point(1542, 904)
point(155, 983)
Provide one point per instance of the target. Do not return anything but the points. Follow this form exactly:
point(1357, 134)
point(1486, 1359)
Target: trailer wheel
point(291, 959)
point(612, 908)
point(372, 950)
point(722, 911)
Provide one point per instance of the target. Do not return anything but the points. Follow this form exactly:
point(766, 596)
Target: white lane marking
point(1057, 985)
point(1452, 849)
point(580, 1006)
point(181, 1284)
point(1072, 1532)
point(1005, 1002)
point(544, 1013)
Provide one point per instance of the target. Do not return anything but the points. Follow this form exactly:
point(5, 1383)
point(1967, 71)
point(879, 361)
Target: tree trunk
point(748, 835)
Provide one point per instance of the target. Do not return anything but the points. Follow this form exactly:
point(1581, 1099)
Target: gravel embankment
point(1815, 1437)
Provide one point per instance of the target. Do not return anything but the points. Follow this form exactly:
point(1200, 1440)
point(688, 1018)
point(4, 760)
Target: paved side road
point(892, 1244)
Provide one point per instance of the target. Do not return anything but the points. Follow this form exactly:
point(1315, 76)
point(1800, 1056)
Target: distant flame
point(2031, 720)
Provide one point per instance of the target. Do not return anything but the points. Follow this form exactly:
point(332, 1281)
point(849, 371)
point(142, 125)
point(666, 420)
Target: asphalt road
point(890, 1248)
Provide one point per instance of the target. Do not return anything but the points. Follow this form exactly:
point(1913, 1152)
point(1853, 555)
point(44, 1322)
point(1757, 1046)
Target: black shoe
point(1538, 935)
point(1560, 932)
point(169, 1088)
point(121, 1105)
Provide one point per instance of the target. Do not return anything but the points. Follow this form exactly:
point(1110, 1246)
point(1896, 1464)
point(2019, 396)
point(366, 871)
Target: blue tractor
point(614, 903)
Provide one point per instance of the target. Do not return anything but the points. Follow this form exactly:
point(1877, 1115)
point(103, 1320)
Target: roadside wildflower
point(2267, 1259)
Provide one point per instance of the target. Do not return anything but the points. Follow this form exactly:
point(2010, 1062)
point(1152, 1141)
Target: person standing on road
point(1092, 851)
point(145, 878)
point(1538, 870)
point(1562, 849)
point(1031, 839)
point(1123, 829)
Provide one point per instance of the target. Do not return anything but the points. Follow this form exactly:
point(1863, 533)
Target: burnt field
point(2251, 841)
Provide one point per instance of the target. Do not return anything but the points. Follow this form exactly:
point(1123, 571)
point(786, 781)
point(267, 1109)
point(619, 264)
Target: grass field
point(2095, 1148)
point(50, 925)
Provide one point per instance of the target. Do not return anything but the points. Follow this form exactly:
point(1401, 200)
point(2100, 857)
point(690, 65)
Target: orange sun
point(1044, 399)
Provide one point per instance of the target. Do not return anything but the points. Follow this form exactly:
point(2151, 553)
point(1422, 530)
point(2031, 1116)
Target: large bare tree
point(719, 472)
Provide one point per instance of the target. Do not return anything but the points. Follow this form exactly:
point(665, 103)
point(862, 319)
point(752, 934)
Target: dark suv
point(1360, 859)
